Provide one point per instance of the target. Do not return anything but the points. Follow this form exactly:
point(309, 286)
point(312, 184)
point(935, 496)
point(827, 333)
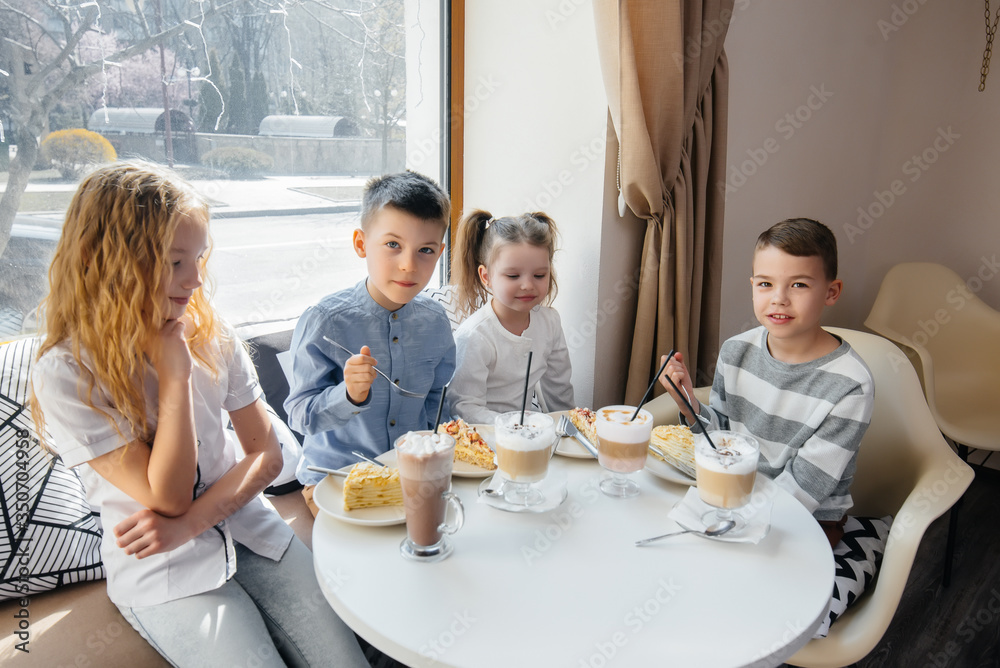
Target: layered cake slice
point(583, 419)
point(367, 486)
point(676, 443)
point(469, 444)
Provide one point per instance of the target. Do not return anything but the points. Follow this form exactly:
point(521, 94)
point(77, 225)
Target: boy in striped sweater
point(801, 391)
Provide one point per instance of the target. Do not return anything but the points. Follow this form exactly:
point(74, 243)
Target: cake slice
point(368, 486)
point(584, 420)
point(674, 444)
point(469, 444)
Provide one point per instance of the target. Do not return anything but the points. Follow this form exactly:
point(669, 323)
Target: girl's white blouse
point(79, 433)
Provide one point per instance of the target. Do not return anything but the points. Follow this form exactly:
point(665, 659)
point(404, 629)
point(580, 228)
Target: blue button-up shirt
point(413, 345)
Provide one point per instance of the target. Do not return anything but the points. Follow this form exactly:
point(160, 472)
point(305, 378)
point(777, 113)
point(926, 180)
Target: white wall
point(887, 81)
point(535, 131)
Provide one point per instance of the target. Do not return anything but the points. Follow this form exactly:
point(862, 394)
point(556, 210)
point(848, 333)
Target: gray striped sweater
point(809, 417)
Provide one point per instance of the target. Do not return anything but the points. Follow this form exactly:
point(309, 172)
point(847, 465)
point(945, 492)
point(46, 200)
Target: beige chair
point(953, 339)
point(904, 469)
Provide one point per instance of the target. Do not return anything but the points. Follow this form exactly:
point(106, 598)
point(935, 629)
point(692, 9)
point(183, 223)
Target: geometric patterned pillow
point(857, 558)
point(445, 295)
point(49, 535)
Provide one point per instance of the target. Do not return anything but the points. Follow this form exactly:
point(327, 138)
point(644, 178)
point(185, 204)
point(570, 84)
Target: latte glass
point(622, 446)
point(726, 474)
point(523, 453)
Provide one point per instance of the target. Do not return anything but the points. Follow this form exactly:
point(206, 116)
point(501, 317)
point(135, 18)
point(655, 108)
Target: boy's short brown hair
point(803, 237)
point(407, 191)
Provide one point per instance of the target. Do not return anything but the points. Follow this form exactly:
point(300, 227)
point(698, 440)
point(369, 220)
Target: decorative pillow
point(49, 536)
point(857, 558)
point(445, 295)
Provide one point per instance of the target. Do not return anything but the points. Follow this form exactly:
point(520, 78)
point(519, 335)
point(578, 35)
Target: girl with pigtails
point(505, 278)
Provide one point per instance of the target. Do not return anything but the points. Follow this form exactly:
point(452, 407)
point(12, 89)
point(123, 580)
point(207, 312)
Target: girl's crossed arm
point(147, 533)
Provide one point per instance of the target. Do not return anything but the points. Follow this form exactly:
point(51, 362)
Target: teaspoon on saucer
point(716, 529)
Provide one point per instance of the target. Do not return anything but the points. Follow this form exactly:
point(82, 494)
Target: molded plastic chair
point(906, 469)
point(955, 337)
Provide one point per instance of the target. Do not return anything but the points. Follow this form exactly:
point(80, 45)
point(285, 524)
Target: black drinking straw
point(437, 420)
point(691, 408)
point(650, 388)
point(524, 399)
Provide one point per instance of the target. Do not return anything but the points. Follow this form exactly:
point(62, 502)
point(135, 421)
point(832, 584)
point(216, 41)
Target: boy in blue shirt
point(335, 399)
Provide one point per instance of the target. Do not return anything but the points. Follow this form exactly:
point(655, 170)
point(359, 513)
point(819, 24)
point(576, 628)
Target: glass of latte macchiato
point(726, 473)
point(523, 449)
point(622, 444)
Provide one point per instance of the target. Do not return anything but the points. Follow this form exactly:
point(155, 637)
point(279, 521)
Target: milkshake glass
point(425, 461)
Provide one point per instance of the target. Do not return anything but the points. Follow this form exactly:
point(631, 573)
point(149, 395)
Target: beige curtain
point(667, 81)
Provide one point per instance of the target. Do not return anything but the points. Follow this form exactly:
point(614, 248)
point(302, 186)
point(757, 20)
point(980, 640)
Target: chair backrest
point(902, 439)
point(929, 309)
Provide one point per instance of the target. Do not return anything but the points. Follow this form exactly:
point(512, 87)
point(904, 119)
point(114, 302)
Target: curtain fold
point(667, 81)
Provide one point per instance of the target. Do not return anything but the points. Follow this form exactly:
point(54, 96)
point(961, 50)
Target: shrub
point(238, 162)
point(73, 151)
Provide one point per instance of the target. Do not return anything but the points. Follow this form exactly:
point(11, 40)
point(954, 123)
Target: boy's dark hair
point(803, 237)
point(407, 191)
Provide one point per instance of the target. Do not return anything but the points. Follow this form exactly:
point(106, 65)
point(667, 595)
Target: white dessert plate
point(329, 496)
point(459, 469)
point(663, 470)
point(569, 447)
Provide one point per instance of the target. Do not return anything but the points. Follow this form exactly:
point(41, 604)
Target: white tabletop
point(569, 588)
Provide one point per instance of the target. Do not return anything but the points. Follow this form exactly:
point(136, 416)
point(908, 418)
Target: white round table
point(569, 587)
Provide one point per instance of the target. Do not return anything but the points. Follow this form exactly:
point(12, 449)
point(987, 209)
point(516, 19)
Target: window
point(279, 113)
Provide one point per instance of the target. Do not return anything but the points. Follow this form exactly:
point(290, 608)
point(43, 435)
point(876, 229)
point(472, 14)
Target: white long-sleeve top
point(489, 378)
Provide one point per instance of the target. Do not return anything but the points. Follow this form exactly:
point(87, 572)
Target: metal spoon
point(489, 491)
point(397, 388)
point(716, 529)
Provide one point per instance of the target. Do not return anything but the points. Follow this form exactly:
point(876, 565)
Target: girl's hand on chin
point(169, 352)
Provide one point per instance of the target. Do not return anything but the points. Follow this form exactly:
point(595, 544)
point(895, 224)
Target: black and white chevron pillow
point(445, 295)
point(49, 536)
point(857, 558)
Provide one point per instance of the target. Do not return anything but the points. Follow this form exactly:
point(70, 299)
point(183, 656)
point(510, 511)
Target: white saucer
point(688, 513)
point(552, 489)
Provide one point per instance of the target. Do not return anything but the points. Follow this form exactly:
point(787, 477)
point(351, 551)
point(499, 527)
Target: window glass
point(279, 114)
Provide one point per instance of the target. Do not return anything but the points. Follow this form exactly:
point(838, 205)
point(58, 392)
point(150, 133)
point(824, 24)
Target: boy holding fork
point(335, 400)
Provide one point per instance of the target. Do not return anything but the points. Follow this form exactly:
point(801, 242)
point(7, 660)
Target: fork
point(395, 386)
point(568, 429)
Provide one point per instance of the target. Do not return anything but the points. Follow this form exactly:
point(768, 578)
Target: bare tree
point(43, 64)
